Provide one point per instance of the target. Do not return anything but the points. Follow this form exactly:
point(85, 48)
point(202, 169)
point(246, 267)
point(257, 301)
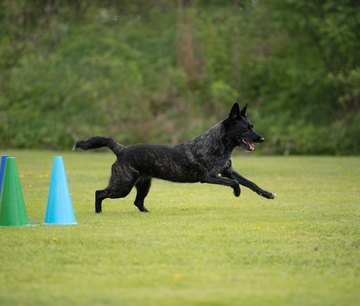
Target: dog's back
point(185, 162)
point(158, 161)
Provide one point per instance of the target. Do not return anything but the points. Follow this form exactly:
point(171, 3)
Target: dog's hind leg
point(142, 186)
point(101, 195)
point(119, 187)
point(122, 180)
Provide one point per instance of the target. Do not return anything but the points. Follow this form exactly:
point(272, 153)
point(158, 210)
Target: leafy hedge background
point(164, 71)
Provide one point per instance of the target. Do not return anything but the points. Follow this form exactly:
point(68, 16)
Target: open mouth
point(249, 145)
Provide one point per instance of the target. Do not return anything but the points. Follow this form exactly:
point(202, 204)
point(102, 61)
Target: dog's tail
point(98, 142)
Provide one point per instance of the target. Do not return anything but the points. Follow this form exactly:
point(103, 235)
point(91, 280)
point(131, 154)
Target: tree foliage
point(163, 71)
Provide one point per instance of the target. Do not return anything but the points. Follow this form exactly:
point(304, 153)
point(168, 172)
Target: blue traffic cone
point(59, 206)
point(2, 170)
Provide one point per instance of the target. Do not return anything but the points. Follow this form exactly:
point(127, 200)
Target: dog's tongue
point(250, 145)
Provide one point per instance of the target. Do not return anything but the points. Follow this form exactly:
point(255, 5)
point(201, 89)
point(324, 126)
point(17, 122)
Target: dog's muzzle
point(249, 145)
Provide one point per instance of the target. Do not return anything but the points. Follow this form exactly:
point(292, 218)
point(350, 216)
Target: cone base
point(31, 223)
point(17, 225)
point(72, 223)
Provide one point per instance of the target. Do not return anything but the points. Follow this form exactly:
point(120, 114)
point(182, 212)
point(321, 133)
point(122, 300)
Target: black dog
point(204, 159)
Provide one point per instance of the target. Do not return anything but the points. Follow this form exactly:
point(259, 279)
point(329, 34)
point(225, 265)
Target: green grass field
point(199, 245)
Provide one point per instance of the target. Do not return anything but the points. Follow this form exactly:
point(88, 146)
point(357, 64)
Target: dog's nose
point(261, 139)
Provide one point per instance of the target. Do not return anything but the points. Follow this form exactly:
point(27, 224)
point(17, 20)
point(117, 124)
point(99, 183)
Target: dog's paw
point(267, 194)
point(270, 195)
point(237, 190)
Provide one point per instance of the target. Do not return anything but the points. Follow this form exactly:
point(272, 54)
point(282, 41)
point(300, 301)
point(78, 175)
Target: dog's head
point(240, 130)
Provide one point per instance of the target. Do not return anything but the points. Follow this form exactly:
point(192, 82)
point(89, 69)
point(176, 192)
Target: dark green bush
point(163, 71)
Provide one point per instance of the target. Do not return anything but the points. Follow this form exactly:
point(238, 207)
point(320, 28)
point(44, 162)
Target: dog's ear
point(235, 112)
point(243, 111)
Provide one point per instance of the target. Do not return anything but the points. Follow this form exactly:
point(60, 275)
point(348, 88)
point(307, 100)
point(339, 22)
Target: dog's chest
point(215, 163)
point(210, 152)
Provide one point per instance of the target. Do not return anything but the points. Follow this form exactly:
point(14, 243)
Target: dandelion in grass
point(177, 277)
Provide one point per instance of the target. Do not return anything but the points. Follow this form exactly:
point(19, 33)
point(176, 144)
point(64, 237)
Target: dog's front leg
point(231, 173)
point(212, 179)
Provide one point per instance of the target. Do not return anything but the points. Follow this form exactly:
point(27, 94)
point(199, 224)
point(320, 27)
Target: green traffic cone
point(12, 204)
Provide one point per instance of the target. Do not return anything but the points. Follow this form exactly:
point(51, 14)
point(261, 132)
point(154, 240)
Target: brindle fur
point(205, 159)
